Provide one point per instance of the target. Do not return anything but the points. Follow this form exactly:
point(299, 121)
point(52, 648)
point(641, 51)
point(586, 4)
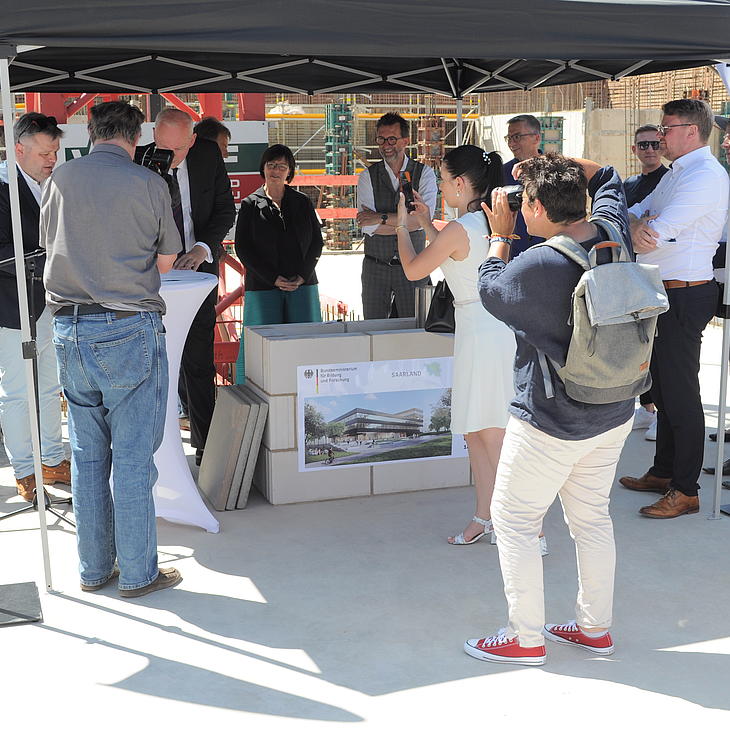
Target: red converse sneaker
point(501, 648)
point(570, 634)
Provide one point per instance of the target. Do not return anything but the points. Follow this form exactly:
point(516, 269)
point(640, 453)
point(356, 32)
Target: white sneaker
point(643, 418)
point(650, 434)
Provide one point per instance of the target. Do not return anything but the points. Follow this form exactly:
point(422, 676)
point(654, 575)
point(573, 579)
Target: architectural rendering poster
point(365, 413)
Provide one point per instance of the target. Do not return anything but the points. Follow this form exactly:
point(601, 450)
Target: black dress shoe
point(713, 437)
point(725, 469)
point(198, 456)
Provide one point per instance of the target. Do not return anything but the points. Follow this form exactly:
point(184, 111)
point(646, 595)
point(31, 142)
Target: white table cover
point(176, 495)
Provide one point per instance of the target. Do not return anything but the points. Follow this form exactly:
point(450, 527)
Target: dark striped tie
point(177, 210)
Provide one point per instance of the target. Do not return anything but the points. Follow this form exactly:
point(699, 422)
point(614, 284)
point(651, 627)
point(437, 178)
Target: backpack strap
point(613, 234)
point(546, 378)
point(569, 248)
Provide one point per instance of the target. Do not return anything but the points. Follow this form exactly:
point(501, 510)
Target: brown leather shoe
point(672, 504)
point(167, 578)
point(647, 483)
point(61, 473)
point(26, 487)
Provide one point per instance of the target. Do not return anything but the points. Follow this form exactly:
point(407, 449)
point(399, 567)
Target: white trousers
point(14, 411)
point(533, 469)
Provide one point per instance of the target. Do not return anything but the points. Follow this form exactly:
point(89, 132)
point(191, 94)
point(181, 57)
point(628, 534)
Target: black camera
point(514, 196)
point(154, 158)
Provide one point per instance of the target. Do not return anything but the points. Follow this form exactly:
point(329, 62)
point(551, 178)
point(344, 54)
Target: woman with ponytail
point(484, 348)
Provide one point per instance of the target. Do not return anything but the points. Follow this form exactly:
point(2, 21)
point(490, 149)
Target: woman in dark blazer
point(279, 241)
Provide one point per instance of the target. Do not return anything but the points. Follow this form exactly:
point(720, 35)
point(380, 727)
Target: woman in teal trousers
point(279, 241)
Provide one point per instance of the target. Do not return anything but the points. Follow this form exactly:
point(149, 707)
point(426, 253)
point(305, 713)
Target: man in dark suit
point(37, 141)
point(204, 212)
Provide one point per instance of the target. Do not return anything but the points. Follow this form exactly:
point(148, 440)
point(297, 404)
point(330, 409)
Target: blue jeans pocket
point(60, 361)
point(126, 362)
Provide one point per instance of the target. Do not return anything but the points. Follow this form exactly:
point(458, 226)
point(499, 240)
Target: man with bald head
point(204, 211)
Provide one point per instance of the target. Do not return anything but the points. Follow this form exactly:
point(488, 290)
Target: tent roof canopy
point(87, 69)
point(315, 46)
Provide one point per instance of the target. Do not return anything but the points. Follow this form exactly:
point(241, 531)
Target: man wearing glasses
point(523, 138)
point(677, 227)
point(385, 288)
point(37, 139)
point(647, 148)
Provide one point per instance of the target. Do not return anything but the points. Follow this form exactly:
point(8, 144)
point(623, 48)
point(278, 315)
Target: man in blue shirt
point(523, 138)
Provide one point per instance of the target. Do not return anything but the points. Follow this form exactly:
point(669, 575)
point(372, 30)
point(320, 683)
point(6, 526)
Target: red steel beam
point(178, 103)
point(80, 103)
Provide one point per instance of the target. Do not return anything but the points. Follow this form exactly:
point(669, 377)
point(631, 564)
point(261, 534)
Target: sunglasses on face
point(662, 129)
point(654, 144)
point(389, 140)
point(34, 126)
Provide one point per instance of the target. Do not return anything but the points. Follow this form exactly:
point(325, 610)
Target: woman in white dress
point(484, 347)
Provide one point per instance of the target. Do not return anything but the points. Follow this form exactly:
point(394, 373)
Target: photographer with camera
point(108, 228)
point(37, 139)
point(554, 446)
point(204, 211)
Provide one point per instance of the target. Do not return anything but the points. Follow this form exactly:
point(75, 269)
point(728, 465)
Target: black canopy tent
point(317, 46)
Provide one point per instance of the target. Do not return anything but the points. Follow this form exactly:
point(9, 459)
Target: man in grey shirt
point(109, 230)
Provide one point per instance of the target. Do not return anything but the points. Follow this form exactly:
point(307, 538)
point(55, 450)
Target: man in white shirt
point(677, 228)
point(37, 141)
point(383, 280)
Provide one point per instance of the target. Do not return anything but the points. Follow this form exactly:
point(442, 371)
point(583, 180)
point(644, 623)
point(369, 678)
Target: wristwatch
point(384, 218)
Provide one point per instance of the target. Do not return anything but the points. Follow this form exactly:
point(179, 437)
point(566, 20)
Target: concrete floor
point(355, 611)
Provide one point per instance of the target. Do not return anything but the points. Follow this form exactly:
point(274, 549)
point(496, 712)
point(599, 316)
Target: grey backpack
point(615, 307)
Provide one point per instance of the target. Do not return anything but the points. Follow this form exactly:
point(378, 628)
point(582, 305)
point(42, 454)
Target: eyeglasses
point(390, 140)
point(278, 166)
point(518, 137)
point(644, 145)
point(662, 129)
point(34, 125)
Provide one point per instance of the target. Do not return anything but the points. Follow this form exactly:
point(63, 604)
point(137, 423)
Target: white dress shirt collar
point(34, 185)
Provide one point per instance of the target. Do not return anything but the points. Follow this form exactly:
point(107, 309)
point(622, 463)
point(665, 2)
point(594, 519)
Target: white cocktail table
point(176, 495)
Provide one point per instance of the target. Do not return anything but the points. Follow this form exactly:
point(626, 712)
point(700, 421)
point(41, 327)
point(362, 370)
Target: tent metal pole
point(8, 112)
point(721, 69)
point(721, 408)
point(459, 121)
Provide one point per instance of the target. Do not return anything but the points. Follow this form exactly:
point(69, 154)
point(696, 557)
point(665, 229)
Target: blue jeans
point(114, 376)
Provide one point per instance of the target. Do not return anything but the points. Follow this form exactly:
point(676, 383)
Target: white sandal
point(460, 540)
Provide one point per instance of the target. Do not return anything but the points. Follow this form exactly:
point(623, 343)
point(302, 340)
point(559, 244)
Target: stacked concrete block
point(273, 353)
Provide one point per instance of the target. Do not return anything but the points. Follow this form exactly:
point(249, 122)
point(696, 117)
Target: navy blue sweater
point(532, 296)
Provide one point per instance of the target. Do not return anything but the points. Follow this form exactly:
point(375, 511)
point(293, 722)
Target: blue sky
point(333, 406)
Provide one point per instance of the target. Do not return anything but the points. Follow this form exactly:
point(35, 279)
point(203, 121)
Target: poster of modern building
point(348, 418)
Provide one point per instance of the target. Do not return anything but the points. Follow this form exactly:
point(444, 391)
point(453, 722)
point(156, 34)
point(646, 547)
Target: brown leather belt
point(677, 284)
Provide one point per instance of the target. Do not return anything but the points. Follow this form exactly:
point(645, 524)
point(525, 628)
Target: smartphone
point(407, 190)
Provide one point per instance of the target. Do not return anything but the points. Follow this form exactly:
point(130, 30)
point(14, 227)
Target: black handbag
point(440, 317)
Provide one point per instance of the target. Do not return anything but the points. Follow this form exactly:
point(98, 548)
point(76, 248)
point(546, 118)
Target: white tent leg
point(459, 121)
point(8, 109)
point(722, 69)
point(721, 412)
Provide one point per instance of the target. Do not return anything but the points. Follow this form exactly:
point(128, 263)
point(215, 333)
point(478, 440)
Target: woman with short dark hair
point(279, 241)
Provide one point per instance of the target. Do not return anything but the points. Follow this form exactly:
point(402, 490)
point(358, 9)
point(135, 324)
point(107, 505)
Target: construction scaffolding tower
point(339, 160)
point(431, 134)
